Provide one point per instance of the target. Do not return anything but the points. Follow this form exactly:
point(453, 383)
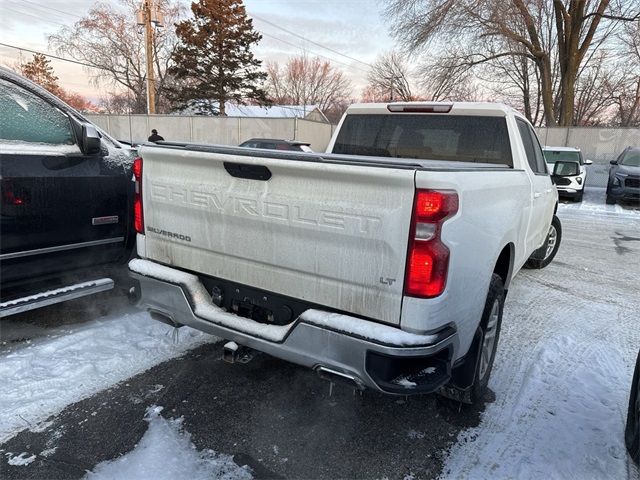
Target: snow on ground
point(564, 364)
point(166, 452)
point(594, 203)
point(42, 378)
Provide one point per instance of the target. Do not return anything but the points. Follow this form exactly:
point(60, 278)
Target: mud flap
point(462, 375)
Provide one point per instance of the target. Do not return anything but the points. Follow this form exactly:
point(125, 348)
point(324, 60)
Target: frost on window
point(25, 117)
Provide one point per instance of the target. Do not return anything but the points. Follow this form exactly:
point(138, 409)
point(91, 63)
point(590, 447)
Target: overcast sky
point(352, 27)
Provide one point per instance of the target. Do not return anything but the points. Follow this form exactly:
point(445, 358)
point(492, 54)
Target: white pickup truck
point(383, 263)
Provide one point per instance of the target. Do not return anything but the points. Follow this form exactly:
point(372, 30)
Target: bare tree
point(305, 80)
point(445, 78)
point(626, 90)
point(109, 40)
point(389, 78)
point(494, 28)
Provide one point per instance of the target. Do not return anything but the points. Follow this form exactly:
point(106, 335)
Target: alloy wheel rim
point(552, 238)
point(489, 339)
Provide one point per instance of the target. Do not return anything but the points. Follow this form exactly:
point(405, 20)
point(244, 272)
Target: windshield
point(435, 137)
point(552, 156)
point(631, 159)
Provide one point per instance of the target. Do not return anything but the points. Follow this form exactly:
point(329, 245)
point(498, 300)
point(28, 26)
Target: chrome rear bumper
point(373, 355)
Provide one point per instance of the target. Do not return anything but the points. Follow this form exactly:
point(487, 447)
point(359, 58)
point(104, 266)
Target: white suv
point(568, 186)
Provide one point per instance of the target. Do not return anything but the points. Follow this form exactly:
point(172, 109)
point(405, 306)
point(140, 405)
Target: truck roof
point(561, 149)
point(456, 108)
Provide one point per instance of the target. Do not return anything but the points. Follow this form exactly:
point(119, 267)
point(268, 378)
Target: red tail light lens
point(138, 214)
point(428, 257)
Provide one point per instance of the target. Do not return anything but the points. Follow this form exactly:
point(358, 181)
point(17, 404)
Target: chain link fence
point(601, 145)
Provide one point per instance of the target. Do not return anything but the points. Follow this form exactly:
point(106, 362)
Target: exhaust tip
point(335, 376)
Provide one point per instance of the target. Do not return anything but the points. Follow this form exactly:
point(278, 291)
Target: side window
point(25, 117)
point(529, 145)
point(540, 161)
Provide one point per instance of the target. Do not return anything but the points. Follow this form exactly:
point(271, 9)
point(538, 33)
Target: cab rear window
point(429, 137)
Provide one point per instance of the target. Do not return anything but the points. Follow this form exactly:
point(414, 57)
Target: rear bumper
point(365, 353)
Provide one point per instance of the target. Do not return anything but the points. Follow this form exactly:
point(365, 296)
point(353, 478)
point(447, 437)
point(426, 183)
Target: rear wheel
point(471, 379)
point(545, 254)
point(632, 432)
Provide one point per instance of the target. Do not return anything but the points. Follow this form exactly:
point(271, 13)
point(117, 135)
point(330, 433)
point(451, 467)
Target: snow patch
point(42, 378)
point(560, 415)
point(365, 329)
point(21, 460)
point(14, 147)
point(166, 452)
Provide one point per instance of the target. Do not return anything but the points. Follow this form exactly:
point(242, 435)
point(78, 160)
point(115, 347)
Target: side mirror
point(566, 169)
point(90, 140)
point(613, 162)
point(588, 162)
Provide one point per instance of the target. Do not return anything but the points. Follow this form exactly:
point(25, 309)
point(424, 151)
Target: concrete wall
point(216, 130)
point(598, 144)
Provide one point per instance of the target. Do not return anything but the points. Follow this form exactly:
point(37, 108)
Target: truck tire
point(632, 431)
point(545, 254)
point(470, 380)
point(579, 196)
point(610, 200)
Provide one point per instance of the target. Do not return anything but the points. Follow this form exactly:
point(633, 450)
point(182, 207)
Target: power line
point(51, 8)
point(310, 41)
point(20, 12)
point(51, 56)
point(315, 53)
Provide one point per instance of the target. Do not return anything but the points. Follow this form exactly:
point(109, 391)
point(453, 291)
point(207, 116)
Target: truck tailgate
point(331, 234)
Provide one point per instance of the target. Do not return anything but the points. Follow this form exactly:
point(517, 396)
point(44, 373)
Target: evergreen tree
point(214, 63)
point(40, 71)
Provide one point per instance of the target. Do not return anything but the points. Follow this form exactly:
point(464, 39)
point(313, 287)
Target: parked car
point(624, 177)
point(384, 263)
point(275, 144)
point(66, 200)
point(569, 186)
point(632, 432)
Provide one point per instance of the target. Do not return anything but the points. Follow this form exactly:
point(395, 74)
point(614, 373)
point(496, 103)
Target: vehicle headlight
point(579, 180)
point(616, 181)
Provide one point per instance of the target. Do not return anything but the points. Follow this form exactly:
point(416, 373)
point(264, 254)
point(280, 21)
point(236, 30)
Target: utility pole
point(148, 16)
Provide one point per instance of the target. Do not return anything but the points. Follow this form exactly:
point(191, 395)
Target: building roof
point(274, 111)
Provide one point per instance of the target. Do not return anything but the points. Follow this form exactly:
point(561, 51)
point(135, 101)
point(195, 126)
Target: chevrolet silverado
point(383, 263)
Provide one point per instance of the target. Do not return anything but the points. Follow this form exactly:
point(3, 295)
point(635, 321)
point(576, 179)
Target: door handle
point(537, 195)
point(248, 171)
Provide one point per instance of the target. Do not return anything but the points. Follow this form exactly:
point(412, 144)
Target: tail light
point(138, 215)
point(9, 195)
point(428, 257)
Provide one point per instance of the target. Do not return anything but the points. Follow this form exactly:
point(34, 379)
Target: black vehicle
point(624, 177)
point(275, 144)
point(632, 432)
point(66, 196)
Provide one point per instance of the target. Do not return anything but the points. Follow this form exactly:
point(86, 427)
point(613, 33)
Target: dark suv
point(65, 202)
point(632, 432)
point(624, 177)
